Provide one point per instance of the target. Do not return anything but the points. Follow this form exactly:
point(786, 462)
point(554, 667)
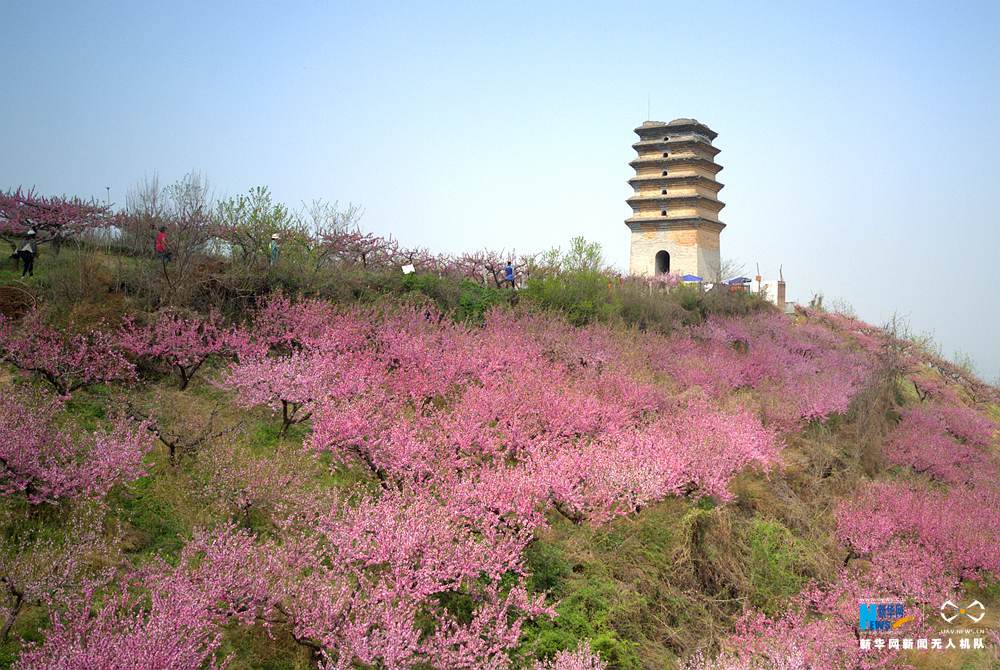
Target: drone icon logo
point(950, 611)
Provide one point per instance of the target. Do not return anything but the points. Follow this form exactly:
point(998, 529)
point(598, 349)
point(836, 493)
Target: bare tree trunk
point(14, 611)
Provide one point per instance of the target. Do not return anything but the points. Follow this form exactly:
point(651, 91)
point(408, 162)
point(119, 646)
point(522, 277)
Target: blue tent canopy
point(738, 280)
point(690, 278)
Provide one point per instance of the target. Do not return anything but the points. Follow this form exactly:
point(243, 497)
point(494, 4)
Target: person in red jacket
point(162, 252)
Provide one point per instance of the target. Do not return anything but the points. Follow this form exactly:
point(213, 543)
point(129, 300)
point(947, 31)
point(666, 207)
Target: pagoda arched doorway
point(662, 262)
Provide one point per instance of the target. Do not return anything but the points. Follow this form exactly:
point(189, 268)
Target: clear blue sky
point(860, 143)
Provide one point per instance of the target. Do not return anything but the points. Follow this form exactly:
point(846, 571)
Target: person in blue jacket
point(508, 274)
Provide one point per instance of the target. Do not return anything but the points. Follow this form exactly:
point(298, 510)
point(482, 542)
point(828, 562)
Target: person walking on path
point(27, 253)
point(274, 250)
point(508, 274)
point(162, 251)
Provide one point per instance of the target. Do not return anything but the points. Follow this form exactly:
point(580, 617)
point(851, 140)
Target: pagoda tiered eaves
point(690, 223)
point(674, 179)
point(676, 127)
point(676, 144)
point(675, 205)
point(675, 200)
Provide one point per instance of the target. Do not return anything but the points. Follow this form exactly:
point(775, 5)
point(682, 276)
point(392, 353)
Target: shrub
point(547, 566)
point(688, 296)
point(78, 276)
point(773, 558)
point(721, 301)
point(475, 300)
point(590, 611)
point(583, 296)
point(656, 311)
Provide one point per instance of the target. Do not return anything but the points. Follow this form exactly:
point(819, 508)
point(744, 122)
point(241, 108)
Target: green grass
point(29, 628)
point(88, 406)
point(258, 649)
point(590, 609)
point(48, 264)
point(9, 274)
point(152, 523)
point(610, 585)
point(774, 560)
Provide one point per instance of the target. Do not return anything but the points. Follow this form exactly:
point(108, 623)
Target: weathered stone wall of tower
point(692, 251)
point(675, 206)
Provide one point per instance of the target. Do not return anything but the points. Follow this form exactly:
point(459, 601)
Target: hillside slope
point(403, 478)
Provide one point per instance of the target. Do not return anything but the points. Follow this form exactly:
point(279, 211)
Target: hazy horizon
point(858, 143)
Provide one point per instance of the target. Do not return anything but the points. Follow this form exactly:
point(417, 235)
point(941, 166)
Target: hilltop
point(311, 459)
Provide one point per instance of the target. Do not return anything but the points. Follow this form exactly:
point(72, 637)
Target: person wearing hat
point(27, 253)
point(274, 249)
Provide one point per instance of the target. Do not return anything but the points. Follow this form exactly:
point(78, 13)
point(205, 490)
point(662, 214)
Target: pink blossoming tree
point(161, 616)
point(180, 342)
point(67, 361)
point(366, 576)
point(46, 464)
point(54, 219)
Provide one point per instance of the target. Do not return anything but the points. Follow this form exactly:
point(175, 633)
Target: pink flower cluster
point(283, 325)
point(694, 449)
point(68, 362)
point(949, 442)
point(525, 405)
point(801, 371)
point(53, 218)
point(357, 583)
point(916, 542)
point(163, 617)
point(183, 343)
point(363, 577)
point(581, 658)
point(46, 464)
point(665, 280)
point(960, 525)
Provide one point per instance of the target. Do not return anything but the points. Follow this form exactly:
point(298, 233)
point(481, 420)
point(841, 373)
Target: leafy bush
point(588, 612)
point(655, 311)
point(721, 301)
point(583, 297)
point(547, 565)
point(475, 300)
point(773, 559)
point(688, 296)
point(443, 291)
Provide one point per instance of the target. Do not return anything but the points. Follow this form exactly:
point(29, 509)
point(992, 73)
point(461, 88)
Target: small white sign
point(409, 269)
